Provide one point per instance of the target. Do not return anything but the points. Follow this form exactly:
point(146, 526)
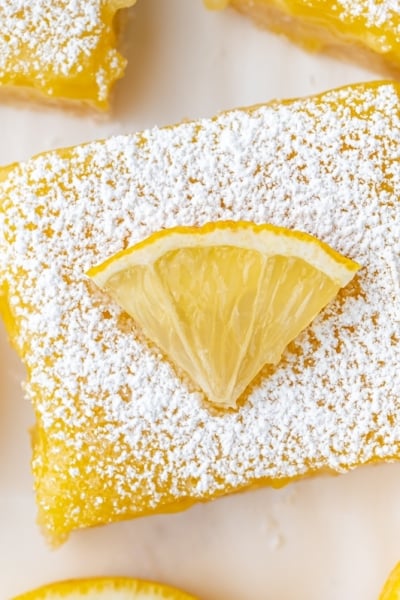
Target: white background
point(333, 538)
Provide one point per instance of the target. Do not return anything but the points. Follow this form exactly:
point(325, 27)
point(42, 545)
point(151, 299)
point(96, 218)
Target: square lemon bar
point(366, 31)
point(119, 431)
point(60, 50)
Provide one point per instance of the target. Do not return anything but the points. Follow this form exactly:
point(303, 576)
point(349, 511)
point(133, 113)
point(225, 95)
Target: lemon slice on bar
point(224, 299)
point(119, 588)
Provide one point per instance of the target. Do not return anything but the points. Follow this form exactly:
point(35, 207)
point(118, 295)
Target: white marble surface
point(325, 538)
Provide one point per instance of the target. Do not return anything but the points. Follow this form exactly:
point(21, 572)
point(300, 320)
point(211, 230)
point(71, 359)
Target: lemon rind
point(269, 240)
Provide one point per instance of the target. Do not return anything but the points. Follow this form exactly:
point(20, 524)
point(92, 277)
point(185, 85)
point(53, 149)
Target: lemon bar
point(60, 50)
point(106, 588)
point(366, 31)
point(120, 431)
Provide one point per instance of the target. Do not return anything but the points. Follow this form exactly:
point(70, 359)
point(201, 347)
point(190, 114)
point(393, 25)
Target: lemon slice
point(119, 588)
point(391, 589)
point(224, 299)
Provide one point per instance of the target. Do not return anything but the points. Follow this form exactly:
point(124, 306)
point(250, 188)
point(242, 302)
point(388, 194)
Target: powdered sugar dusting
point(129, 434)
point(376, 13)
point(375, 22)
point(44, 43)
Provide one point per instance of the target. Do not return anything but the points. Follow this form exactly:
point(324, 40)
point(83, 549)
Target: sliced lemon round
point(391, 589)
point(119, 588)
point(224, 299)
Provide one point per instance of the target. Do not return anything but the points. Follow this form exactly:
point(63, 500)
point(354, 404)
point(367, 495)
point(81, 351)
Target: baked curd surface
point(60, 50)
point(120, 432)
point(365, 31)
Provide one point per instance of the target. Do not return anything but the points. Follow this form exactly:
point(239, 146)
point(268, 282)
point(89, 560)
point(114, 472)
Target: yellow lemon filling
point(365, 31)
point(61, 50)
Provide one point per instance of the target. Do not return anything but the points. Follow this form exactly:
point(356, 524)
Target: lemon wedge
point(391, 589)
point(224, 299)
point(119, 588)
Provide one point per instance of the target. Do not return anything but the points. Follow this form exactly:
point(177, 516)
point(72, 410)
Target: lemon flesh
point(221, 307)
point(105, 589)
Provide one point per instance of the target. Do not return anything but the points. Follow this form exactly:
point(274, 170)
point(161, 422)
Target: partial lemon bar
point(366, 31)
point(106, 588)
point(120, 431)
point(60, 50)
point(391, 588)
